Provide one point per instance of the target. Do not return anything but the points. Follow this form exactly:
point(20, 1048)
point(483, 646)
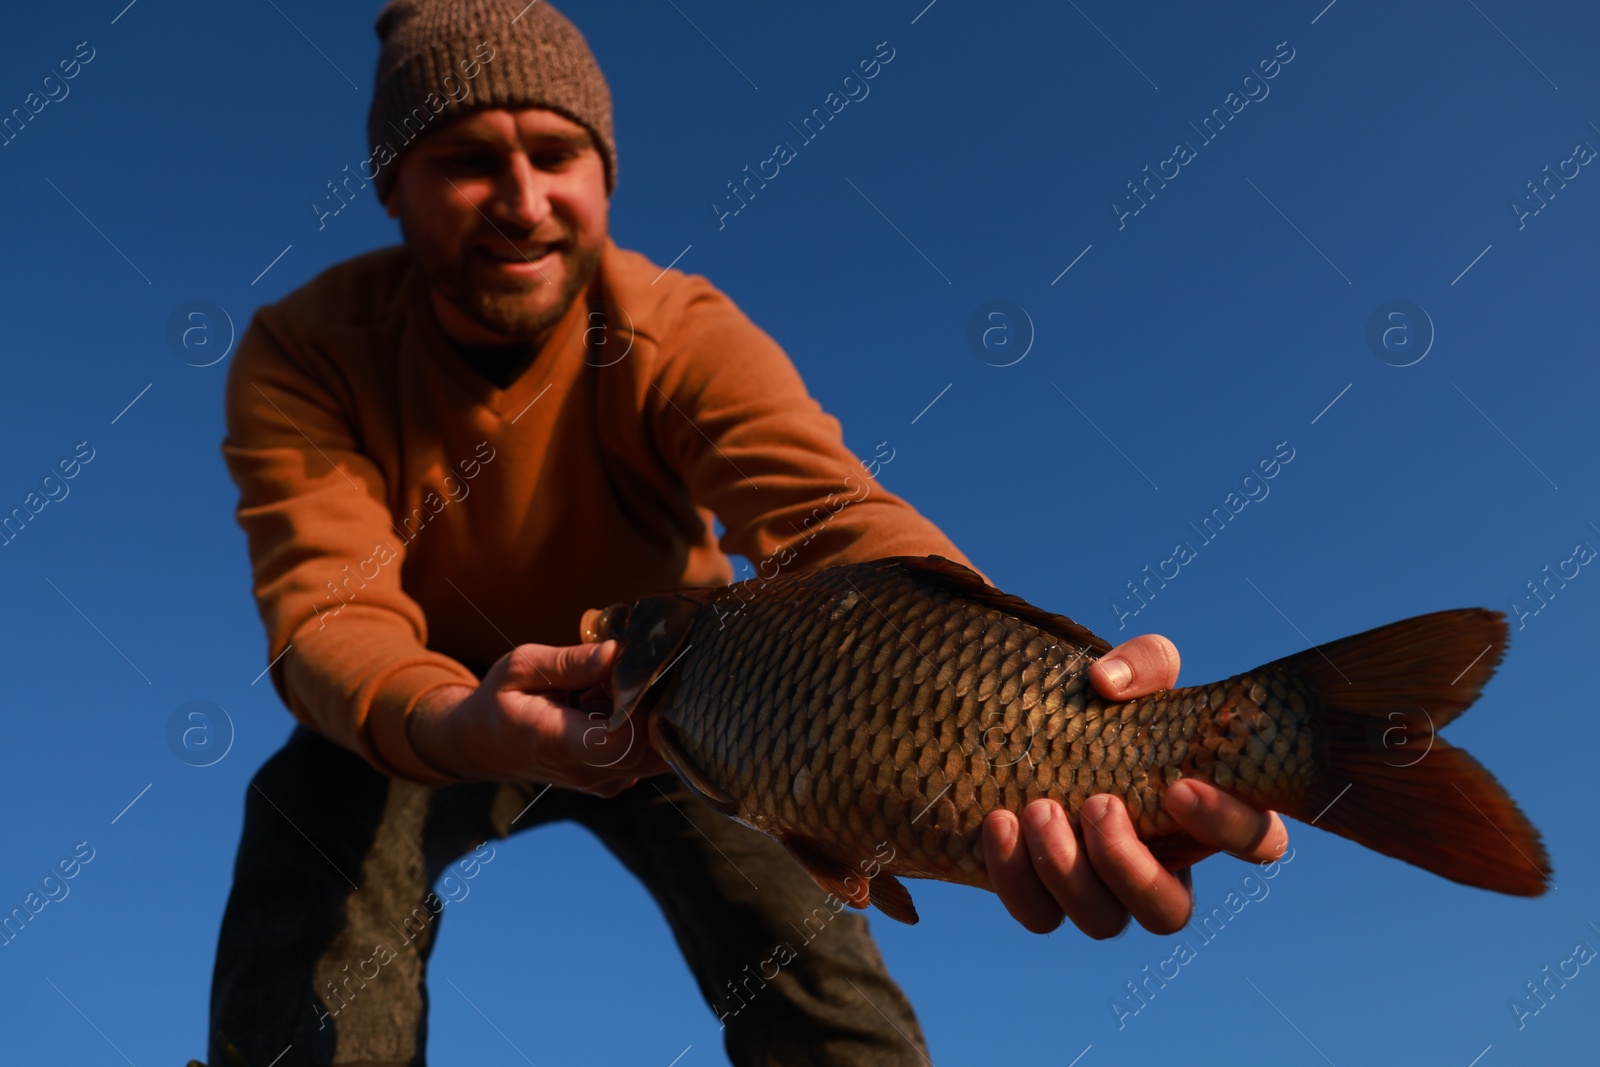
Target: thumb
point(1136, 668)
point(565, 667)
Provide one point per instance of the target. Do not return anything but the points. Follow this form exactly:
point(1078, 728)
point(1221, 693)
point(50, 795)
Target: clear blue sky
point(1184, 343)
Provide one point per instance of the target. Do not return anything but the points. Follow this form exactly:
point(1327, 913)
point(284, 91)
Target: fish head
point(651, 635)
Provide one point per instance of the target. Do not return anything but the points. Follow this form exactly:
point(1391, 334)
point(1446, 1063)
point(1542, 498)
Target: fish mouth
point(603, 624)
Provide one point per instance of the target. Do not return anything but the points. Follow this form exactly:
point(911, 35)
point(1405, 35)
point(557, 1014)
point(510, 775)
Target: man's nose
point(522, 194)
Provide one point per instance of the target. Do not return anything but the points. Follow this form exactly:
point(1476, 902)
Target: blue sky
point(1171, 351)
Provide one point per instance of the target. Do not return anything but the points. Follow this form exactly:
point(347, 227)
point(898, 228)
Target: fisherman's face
point(505, 213)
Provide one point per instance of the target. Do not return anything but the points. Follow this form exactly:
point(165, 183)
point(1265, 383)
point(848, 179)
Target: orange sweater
point(408, 522)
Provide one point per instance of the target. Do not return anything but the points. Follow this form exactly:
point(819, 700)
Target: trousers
point(336, 857)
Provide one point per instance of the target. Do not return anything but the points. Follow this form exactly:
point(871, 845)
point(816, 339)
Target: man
point(445, 452)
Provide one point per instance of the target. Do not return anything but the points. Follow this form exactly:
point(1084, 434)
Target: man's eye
point(554, 159)
point(471, 164)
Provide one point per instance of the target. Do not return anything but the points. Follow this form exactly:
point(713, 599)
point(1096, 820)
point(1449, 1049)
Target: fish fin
point(1177, 851)
point(893, 898)
point(665, 740)
point(657, 633)
point(967, 582)
point(1441, 811)
point(831, 874)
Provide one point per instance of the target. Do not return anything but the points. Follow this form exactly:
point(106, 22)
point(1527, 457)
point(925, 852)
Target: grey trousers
point(337, 858)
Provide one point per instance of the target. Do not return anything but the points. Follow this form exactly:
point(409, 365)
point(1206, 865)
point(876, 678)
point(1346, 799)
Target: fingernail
point(1117, 673)
point(1180, 801)
point(598, 653)
point(1038, 815)
point(1096, 807)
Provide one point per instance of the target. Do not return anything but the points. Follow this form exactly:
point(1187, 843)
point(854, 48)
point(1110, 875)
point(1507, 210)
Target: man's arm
point(730, 414)
point(347, 646)
point(346, 643)
point(734, 419)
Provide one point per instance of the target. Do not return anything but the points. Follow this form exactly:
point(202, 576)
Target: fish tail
point(1385, 780)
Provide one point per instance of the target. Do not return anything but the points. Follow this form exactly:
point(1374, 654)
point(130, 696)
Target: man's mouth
point(528, 254)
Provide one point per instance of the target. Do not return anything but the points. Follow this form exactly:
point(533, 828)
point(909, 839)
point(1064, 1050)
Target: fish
point(868, 716)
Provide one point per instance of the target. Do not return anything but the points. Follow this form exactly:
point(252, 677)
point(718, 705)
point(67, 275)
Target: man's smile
point(525, 260)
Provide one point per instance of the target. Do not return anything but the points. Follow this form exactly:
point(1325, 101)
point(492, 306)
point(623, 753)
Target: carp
point(901, 700)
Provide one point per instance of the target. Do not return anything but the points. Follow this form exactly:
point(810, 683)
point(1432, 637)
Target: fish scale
point(901, 701)
point(903, 763)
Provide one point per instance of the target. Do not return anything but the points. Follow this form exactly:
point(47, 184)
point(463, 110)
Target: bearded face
point(505, 213)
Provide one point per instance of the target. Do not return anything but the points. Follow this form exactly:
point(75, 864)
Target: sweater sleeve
point(345, 643)
point(733, 418)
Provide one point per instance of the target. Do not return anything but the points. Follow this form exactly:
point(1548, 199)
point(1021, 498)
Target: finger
point(1011, 872)
point(612, 752)
point(1153, 894)
point(609, 781)
point(1179, 851)
point(1226, 823)
point(595, 701)
point(1067, 874)
point(1136, 668)
point(544, 667)
point(611, 787)
point(651, 764)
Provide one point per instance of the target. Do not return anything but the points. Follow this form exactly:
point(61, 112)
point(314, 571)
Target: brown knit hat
point(445, 58)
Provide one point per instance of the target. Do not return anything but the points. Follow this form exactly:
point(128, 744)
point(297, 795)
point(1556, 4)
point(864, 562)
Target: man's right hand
point(517, 724)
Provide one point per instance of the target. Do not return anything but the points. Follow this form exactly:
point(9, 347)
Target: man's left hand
point(1043, 873)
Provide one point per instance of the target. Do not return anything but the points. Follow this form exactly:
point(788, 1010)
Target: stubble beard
point(505, 306)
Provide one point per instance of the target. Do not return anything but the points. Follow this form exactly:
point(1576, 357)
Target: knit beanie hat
point(441, 59)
